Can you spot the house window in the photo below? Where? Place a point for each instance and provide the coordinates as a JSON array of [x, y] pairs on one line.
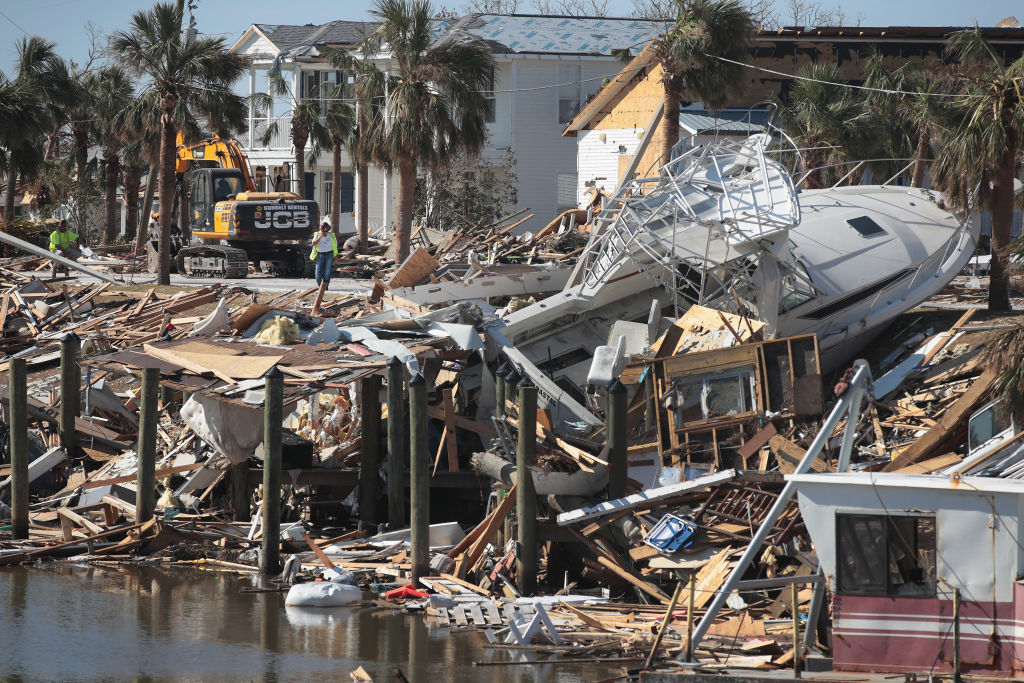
[[566, 191], [347, 203], [885, 555], [491, 102], [569, 77], [328, 186]]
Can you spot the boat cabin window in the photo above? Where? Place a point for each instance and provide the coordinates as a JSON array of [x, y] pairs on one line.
[[885, 555], [865, 226], [986, 424]]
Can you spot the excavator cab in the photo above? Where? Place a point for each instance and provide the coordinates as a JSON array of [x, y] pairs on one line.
[[207, 187]]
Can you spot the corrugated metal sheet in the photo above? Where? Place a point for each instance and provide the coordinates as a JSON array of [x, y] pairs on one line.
[[737, 121]]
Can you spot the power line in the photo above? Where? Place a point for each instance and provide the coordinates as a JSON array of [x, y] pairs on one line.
[[13, 22]]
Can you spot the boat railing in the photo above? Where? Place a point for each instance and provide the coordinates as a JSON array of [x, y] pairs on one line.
[[858, 165]]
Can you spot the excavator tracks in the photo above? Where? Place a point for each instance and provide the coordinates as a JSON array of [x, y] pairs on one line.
[[213, 261]]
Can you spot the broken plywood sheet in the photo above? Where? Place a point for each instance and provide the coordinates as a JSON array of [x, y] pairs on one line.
[[705, 329], [414, 269], [226, 367]]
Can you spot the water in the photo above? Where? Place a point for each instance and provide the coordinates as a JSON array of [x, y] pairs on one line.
[[86, 623]]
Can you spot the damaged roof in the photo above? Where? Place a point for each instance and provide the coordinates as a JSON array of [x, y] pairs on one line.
[[302, 41], [538, 34]]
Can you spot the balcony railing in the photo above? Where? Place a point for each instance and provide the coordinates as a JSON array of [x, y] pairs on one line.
[[282, 139]]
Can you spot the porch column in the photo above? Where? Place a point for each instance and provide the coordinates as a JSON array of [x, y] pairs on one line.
[[252, 106]]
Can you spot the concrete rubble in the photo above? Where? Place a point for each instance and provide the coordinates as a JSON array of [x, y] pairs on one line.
[[636, 522]]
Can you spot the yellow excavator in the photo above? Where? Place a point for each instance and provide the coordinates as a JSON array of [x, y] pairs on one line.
[[231, 223]]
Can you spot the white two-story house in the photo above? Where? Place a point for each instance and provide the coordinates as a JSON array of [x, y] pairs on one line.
[[546, 69]]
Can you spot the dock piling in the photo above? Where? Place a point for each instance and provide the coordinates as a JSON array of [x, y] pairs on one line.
[[145, 481], [526, 495], [369, 445], [396, 434], [419, 477], [616, 418], [18, 406], [70, 392], [270, 555]]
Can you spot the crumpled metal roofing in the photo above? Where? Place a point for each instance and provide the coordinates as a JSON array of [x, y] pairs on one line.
[[557, 35]]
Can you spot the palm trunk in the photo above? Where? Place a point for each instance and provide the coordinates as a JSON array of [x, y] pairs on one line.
[[168, 134], [51, 144], [336, 185], [813, 159], [406, 188], [12, 189], [1001, 206], [131, 205], [300, 165], [147, 207], [110, 212], [81, 136], [670, 119], [363, 200], [924, 143]]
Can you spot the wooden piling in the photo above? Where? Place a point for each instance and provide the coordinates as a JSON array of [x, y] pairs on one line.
[[270, 555], [145, 481], [369, 443], [18, 415], [166, 397], [616, 417], [396, 446], [499, 390], [240, 508], [526, 496], [70, 392], [419, 478]]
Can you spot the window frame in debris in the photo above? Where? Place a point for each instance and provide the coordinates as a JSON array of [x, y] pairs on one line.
[[875, 555]]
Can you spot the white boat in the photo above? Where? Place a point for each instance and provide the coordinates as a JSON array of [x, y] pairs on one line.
[[724, 226]]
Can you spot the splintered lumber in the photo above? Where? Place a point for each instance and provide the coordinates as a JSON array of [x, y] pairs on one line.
[[228, 368], [488, 528], [646, 499], [935, 464], [18, 558], [414, 269], [321, 555], [711, 577], [648, 588], [955, 416], [789, 455]]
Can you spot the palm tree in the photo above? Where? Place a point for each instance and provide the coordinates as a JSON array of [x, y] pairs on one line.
[[182, 75], [830, 122], [691, 55], [433, 104], [41, 74], [306, 124], [979, 156], [341, 124], [111, 89]]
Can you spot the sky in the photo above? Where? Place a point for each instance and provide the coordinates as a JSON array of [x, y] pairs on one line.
[[65, 21]]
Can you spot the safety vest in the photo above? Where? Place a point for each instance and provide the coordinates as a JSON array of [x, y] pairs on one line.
[[61, 240], [316, 246]]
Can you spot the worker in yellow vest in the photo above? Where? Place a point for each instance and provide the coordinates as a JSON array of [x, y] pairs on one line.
[[325, 248], [65, 243]]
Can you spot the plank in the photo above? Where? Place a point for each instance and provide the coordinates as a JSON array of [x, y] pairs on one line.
[[930, 465], [934, 438], [74, 517], [648, 588], [449, 427], [789, 455], [132, 477], [488, 528]]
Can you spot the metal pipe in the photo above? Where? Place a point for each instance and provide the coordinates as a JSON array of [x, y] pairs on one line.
[[861, 376], [7, 238]]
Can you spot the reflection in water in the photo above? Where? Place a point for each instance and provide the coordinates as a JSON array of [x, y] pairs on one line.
[[160, 624]]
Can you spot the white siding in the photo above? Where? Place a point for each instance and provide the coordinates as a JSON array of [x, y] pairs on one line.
[[599, 159]]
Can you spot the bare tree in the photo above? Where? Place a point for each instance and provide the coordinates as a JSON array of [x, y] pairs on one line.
[[763, 11], [814, 13], [486, 7], [572, 8]]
